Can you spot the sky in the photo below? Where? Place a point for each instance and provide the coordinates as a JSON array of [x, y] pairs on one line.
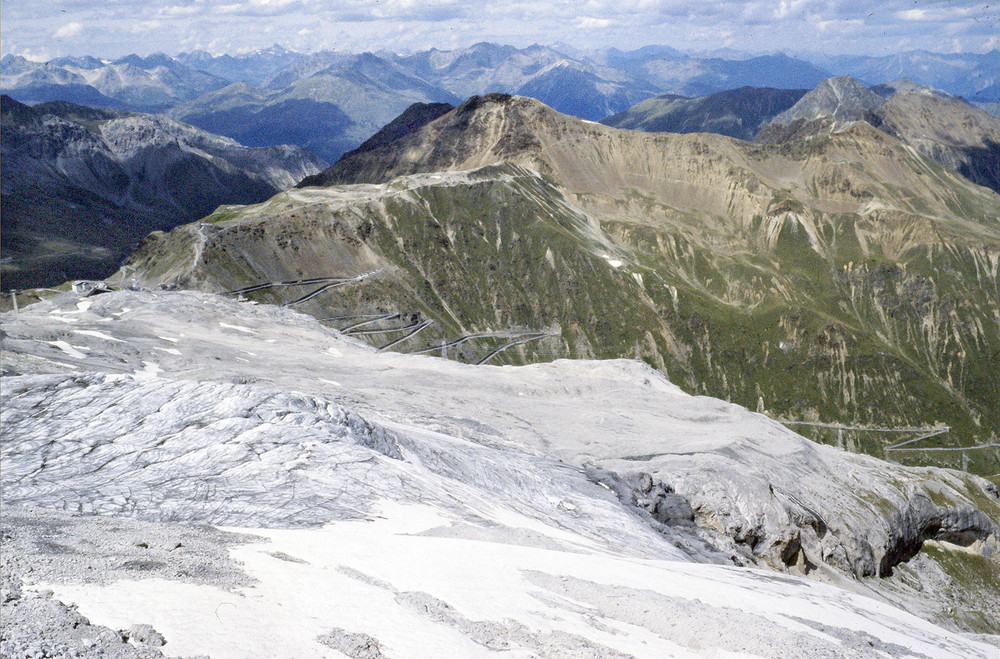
[[112, 28]]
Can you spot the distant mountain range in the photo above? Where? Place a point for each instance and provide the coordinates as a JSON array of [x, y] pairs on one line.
[[975, 77], [330, 102], [82, 186]]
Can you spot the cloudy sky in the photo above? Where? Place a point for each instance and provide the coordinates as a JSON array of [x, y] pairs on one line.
[[111, 28]]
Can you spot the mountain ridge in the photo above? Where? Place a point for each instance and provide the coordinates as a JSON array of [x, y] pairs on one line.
[[816, 260]]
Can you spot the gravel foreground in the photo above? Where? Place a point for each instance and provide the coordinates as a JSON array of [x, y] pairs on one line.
[[41, 546]]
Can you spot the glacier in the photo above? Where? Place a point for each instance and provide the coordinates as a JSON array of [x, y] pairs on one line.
[[251, 483]]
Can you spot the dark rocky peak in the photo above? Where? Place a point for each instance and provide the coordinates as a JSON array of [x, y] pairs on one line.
[[78, 113], [474, 103], [413, 118], [13, 113], [839, 99], [736, 112]]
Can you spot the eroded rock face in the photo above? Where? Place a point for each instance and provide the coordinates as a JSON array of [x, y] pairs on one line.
[[665, 505], [921, 519]]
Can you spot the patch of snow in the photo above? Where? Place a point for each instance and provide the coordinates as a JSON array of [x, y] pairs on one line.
[[71, 350], [614, 263], [96, 334], [149, 371], [423, 595], [238, 328]]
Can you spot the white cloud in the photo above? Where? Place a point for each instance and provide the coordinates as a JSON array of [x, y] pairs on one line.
[[31, 54], [591, 23], [110, 26], [67, 31], [912, 14], [144, 27], [180, 10]]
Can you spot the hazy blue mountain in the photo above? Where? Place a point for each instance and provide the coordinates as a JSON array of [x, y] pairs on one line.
[[255, 67], [313, 125], [302, 67], [152, 83], [575, 90], [328, 112], [580, 87], [481, 68], [695, 76], [43, 92], [736, 112], [971, 75], [83, 62]]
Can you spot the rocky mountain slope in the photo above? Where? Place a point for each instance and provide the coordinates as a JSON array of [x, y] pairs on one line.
[[943, 127], [841, 278], [948, 129], [838, 100], [738, 113], [476, 508], [82, 186]]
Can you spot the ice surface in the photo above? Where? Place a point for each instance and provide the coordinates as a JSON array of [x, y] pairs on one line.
[[436, 508]]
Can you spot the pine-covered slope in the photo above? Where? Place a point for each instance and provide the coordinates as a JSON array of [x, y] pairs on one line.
[[841, 277]]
